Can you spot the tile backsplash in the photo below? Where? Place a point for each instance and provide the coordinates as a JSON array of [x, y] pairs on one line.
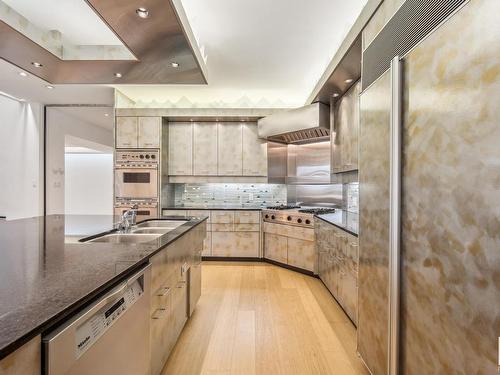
[[220, 195], [352, 197]]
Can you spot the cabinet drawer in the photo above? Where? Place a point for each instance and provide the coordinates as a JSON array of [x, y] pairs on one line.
[[235, 244], [174, 212], [275, 247], [302, 254], [222, 227], [306, 234], [222, 217], [247, 227], [247, 217]]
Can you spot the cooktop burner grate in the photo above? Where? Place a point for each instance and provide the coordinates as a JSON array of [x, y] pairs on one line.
[[282, 207], [317, 211]]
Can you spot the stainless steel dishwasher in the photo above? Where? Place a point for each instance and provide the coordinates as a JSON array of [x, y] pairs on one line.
[[109, 337]]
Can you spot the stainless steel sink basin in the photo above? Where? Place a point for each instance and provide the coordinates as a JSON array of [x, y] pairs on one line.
[[152, 230], [162, 224], [120, 238]]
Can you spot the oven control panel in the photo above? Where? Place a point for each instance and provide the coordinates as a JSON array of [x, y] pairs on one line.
[[139, 158]]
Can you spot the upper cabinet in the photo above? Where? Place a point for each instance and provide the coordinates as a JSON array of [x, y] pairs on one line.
[[180, 149], [149, 132], [126, 132], [138, 132], [205, 149], [216, 149], [230, 149], [254, 152], [345, 129]]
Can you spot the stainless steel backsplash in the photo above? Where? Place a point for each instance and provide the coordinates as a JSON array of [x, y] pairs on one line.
[[315, 195]]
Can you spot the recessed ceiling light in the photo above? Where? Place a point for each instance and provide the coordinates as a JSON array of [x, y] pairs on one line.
[[335, 94], [142, 12], [36, 64], [106, 114], [50, 87], [118, 75], [23, 74], [348, 80], [174, 64]]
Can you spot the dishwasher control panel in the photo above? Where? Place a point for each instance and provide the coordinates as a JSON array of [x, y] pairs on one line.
[[98, 323]]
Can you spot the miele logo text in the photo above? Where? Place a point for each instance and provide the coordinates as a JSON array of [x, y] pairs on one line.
[[82, 343]]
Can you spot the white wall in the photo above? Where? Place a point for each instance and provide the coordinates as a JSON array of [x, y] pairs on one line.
[[21, 158], [88, 184], [60, 125]]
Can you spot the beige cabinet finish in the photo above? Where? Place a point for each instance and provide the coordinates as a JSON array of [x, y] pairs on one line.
[[222, 217], [302, 254], [205, 149], [180, 149], [230, 149], [207, 245], [149, 132], [247, 217], [345, 131], [174, 212], [126, 132], [254, 152], [27, 360], [338, 264], [275, 247], [235, 244]]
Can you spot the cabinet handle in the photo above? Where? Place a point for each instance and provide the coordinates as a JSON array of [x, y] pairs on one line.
[[181, 284], [159, 313], [163, 291]]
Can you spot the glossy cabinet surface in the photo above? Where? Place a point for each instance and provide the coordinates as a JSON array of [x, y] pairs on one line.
[[345, 132], [180, 149], [205, 149], [149, 132], [338, 265], [230, 149], [254, 152], [126, 132]]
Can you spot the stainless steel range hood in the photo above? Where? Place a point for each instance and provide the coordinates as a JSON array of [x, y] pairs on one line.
[[300, 125]]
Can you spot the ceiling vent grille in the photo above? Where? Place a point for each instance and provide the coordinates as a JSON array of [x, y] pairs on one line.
[[413, 21]]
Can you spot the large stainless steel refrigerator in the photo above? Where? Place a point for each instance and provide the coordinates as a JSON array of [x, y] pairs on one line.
[[429, 171]]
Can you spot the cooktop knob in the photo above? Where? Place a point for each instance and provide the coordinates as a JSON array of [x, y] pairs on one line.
[[147, 156], [273, 217], [299, 221], [142, 156], [289, 218], [153, 156], [267, 216], [308, 221]]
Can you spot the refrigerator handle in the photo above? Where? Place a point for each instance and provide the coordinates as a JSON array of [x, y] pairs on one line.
[[395, 214]]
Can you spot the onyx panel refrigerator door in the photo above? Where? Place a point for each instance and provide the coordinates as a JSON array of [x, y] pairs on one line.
[[374, 213], [450, 296]]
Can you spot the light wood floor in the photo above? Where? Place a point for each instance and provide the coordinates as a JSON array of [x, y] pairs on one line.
[[256, 318]]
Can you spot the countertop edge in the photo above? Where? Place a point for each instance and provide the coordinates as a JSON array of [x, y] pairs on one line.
[[337, 225], [90, 297], [214, 208]]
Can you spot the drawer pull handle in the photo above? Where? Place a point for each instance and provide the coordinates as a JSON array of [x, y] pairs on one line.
[[163, 291], [181, 284], [159, 313]]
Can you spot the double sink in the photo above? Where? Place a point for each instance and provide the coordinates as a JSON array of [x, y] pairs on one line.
[[143, 232]]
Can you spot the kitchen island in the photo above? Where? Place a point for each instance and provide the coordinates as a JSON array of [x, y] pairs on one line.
[[47, 274]]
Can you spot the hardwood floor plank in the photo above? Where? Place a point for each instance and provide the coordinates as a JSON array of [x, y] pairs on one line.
[[257, 318]]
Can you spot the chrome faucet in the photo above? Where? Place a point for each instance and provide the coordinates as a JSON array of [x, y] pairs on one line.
[[128, 218]]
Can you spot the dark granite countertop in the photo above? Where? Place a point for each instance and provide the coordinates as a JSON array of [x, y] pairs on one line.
[[46, 274], [218, 208], [346, 220]]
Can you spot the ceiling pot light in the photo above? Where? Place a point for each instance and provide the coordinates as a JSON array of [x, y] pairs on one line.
[[335, 94], [118, 75], [349, 80], [50, 87], [36, 64], [23, 74], [142, 12], [106, 114], [174, 64]]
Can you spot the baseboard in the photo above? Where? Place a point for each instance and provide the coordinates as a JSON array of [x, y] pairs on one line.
[[250, 259]]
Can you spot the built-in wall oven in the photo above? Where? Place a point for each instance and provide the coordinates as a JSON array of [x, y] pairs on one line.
[[146, 208], [136, 174]]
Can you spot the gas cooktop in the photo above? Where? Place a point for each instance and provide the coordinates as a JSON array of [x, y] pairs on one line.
[[317, 211], [283, 207]]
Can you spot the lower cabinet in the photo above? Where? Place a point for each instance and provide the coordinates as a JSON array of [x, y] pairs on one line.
[[301, 253], [235, 244], [338, 265], [275, 247], [27, 360]]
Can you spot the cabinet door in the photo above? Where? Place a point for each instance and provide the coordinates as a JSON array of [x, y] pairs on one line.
[[149, 132], [205, 149], [254, 152], [229, 149], [27, 360], [247, 244], [302, 254], [223, 244], [275, 247], [180, 149], [207, 245], [350, 294], [174, 213], [222, 217], [126, 132]]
